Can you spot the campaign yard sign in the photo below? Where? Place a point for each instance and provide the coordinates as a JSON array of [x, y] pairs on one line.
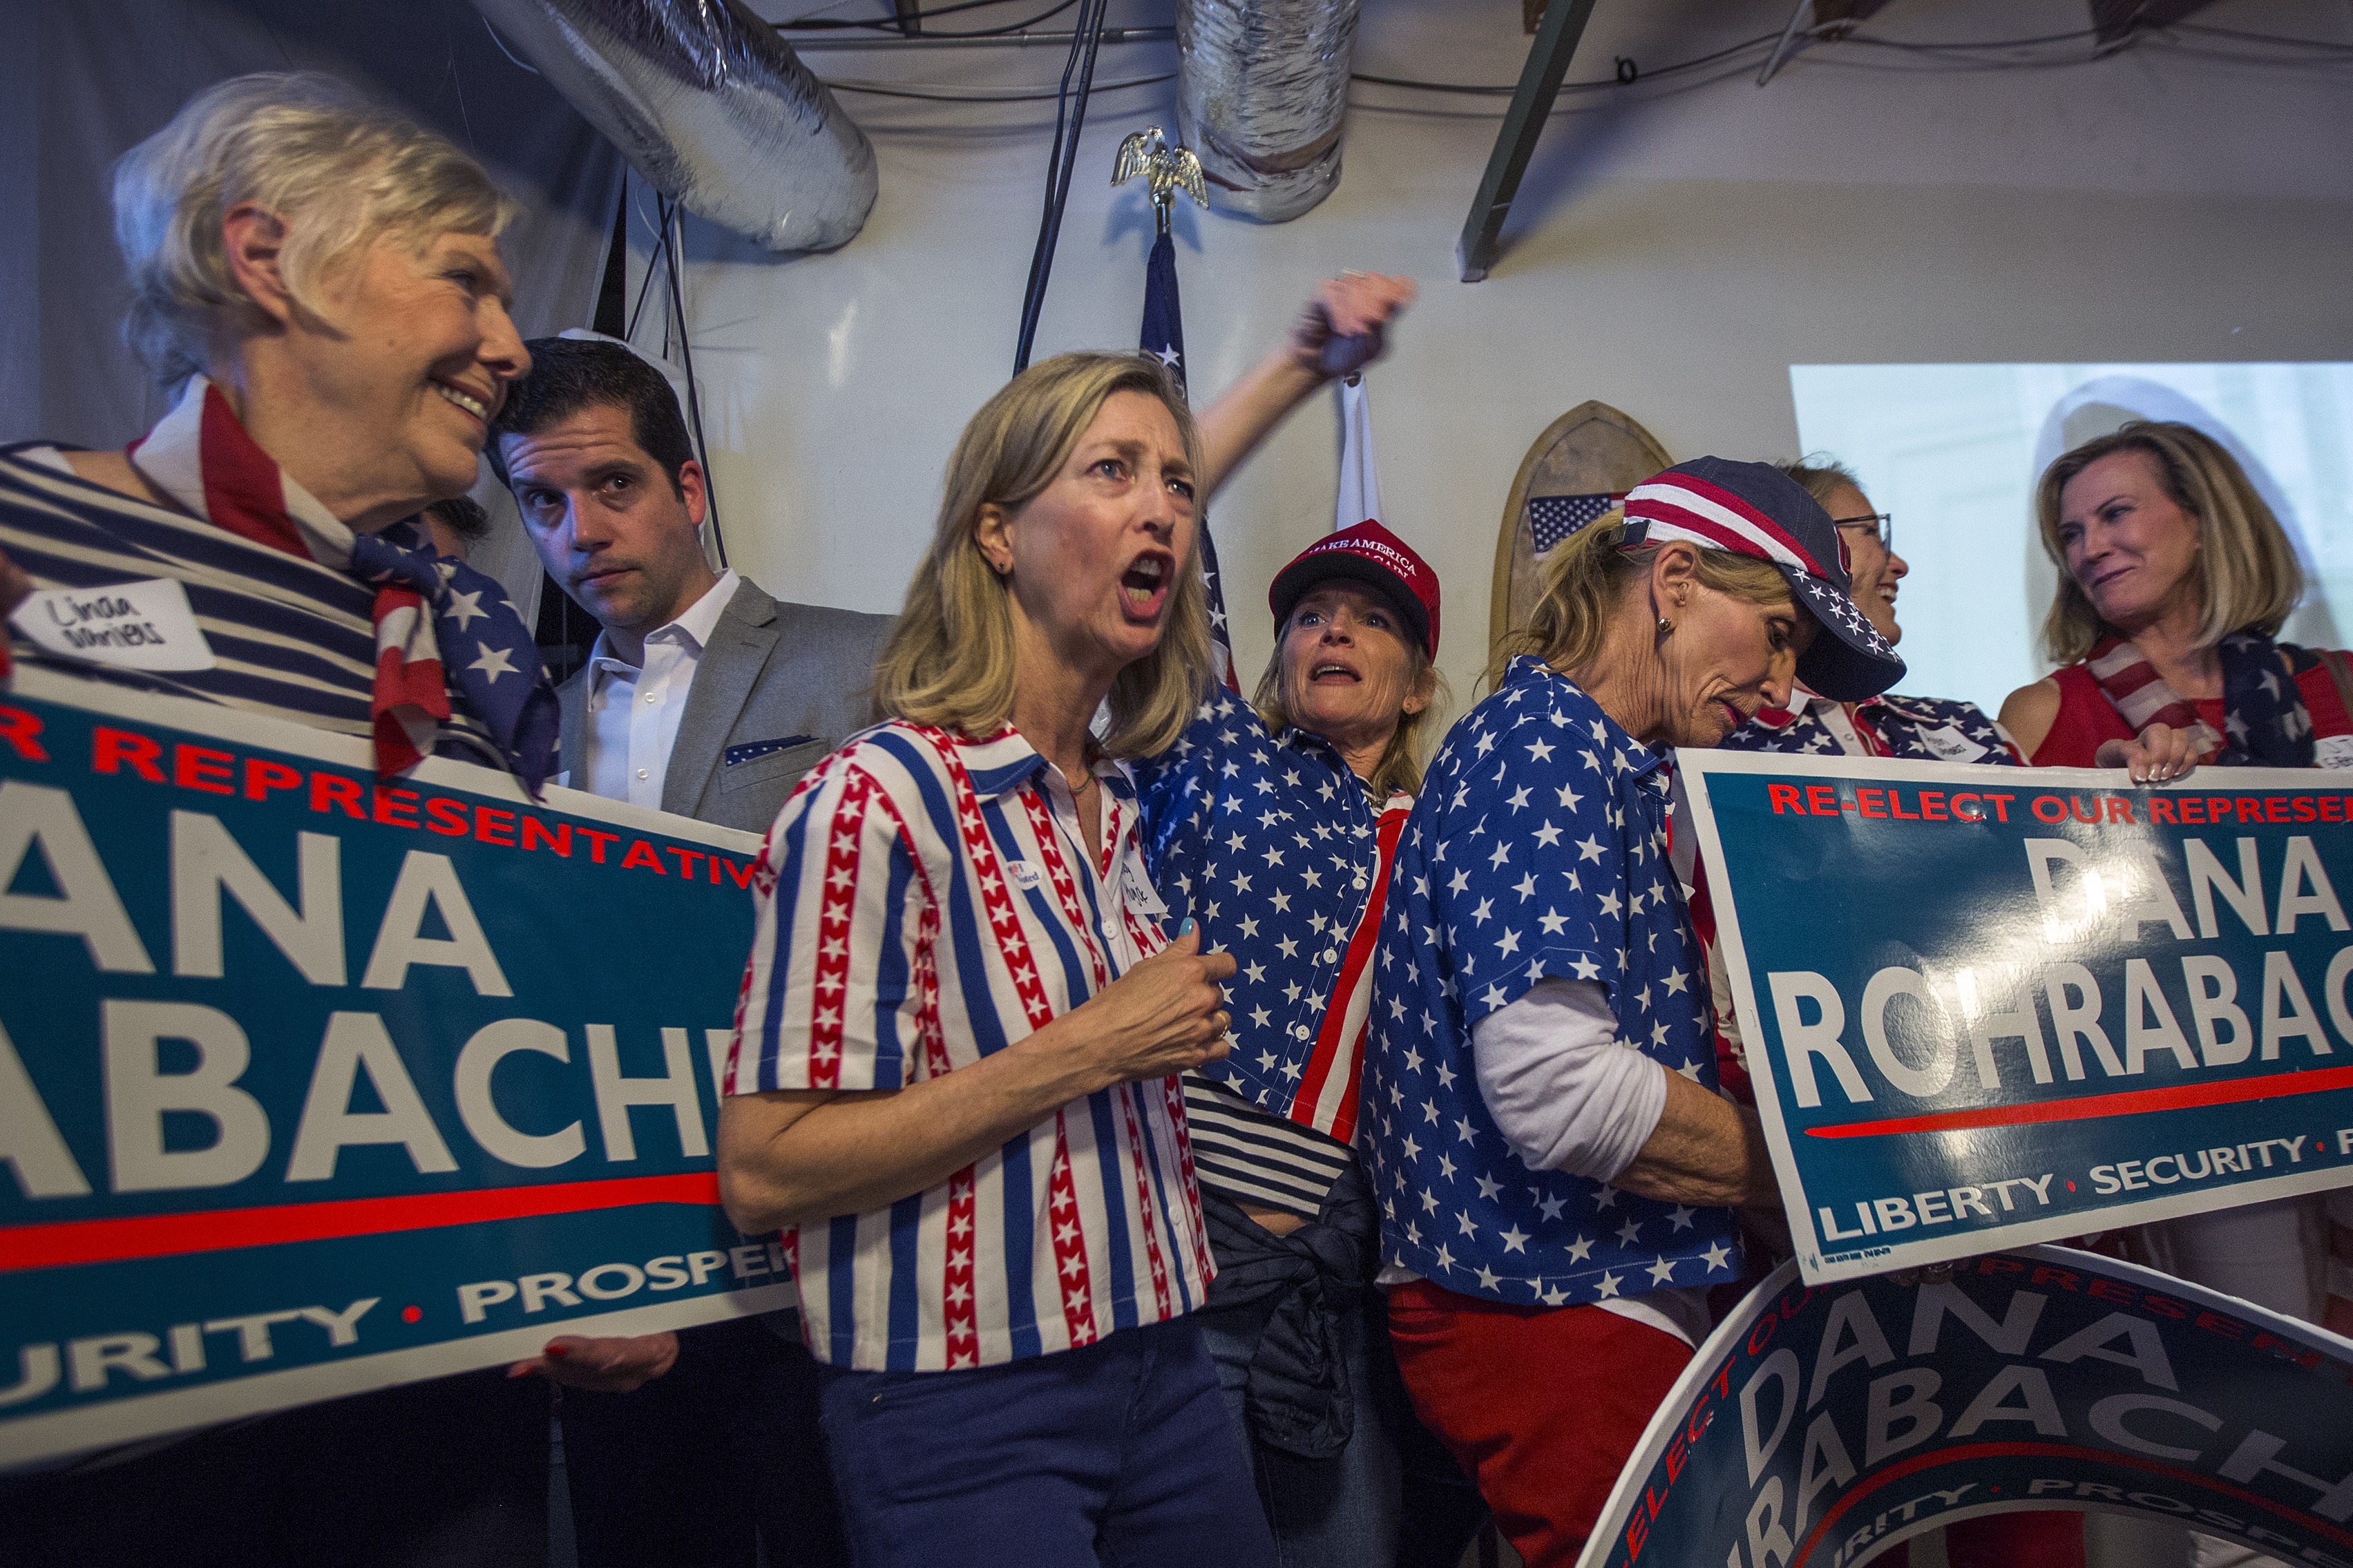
[[311, 1084], [1988, 1007], [1818, 1425]]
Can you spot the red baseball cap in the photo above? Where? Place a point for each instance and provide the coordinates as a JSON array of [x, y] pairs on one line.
[[1371, 554]]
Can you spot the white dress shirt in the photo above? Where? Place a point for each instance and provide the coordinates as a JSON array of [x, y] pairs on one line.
[[633, 712]]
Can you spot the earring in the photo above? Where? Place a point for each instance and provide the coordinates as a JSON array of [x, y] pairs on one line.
[[1666, 627]]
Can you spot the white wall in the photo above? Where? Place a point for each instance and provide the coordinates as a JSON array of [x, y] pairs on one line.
[[1672, 253]]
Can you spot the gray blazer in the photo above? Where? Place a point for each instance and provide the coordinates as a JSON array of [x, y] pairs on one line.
[[777, 687]]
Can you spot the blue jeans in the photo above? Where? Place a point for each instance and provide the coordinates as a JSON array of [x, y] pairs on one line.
[[1120, 1453], [1393, 1495]]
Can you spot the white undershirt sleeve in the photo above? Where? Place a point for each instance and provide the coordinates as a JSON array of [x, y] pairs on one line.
[[1568, 1094]]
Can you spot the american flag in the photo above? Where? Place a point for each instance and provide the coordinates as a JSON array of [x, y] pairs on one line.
[[1163, 339], [1552, 519], [426, 604]]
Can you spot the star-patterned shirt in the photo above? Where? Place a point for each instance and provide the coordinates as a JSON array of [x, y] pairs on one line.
[[1926, 728], [1270, 842], [1538, 850]]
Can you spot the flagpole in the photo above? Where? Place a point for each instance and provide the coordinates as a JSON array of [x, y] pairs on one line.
[[1168, 169]]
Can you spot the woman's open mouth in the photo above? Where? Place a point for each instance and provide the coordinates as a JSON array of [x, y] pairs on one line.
[[1144, 587], [1330, 672]]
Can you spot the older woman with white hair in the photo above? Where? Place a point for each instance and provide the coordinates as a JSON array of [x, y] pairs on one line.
[[321, 280]]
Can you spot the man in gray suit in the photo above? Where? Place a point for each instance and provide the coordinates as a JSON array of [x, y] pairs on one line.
[[704, 697]]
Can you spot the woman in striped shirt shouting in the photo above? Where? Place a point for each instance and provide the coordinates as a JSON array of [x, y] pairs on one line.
[[954, 1080]]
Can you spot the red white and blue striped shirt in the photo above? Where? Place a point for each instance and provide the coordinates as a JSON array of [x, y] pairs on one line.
[[925, 900]]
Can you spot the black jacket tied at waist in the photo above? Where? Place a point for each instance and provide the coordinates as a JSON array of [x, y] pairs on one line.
[[1298, 1398]]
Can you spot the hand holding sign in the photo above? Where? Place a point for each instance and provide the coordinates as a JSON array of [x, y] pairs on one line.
[[2160, 754], [609, 1363]]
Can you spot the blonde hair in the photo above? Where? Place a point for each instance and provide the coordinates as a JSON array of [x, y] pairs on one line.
[[1821, 475], [1401, 761], [1585, 579], [2246, 567], [339, 171], [950, 659]]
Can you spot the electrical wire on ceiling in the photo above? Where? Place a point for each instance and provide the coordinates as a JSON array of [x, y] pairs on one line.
[[1953, 58], [2170, 38], [941, 95], [2180, 37], [666, 226], [1596, 84], [2240, 36], [895, 28], [1084, 42]]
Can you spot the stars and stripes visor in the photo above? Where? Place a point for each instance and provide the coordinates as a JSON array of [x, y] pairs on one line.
[[1755, 509]]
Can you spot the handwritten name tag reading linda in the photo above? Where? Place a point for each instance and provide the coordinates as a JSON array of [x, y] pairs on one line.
[[131, 625]]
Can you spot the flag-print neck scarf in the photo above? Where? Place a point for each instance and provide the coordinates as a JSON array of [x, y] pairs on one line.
[[201, 455], [2263, 711]]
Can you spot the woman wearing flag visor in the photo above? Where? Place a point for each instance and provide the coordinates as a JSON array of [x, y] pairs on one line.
[[1556, 1168]]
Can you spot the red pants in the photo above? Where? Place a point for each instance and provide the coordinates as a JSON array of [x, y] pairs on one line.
[[1543, 1405], [1540, 1405]]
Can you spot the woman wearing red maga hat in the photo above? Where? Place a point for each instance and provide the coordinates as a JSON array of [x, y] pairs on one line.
[[1273, 822]]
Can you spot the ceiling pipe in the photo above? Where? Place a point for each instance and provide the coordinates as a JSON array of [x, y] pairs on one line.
[[706, 102], [1262, 96]]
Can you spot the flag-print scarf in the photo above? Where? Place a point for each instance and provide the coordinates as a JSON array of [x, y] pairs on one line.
[[201, 455], [2263, 711]]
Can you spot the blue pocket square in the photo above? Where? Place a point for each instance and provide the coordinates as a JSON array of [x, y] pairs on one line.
[[751, 749]]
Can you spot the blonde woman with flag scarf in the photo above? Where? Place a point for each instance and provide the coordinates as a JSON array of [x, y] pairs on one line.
[[2175, 580]]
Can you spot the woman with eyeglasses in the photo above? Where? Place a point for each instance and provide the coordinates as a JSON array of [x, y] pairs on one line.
[[1927, 729]]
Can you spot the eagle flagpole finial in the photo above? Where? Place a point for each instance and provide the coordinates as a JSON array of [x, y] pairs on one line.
[[1166, 170]]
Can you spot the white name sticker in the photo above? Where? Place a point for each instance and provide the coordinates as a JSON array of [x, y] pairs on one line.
[[1137, 890], [1024, 876], [1950, 745], [2333, 752], [133, 626]]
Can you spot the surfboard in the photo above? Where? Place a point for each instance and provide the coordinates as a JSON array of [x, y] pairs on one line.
[[1592, 451]]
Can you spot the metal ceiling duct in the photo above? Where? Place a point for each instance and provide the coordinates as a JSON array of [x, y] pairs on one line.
[[1261, 93], [710, 105]]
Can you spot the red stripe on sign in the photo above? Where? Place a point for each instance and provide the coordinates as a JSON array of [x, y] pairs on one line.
[[164, 1235], [2279, 1086], [2302, 1519]]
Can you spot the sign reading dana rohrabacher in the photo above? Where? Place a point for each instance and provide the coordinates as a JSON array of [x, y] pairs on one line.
[[1818, 1425], [1986, 1008], [311, 1084]]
